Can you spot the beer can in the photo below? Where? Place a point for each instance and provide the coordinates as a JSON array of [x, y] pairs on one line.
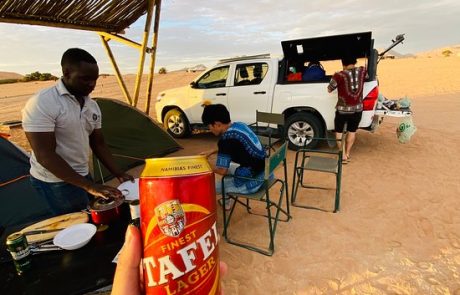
[[178, 225], [17, 245]]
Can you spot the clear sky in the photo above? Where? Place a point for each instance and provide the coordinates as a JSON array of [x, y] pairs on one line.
[[197, 31]]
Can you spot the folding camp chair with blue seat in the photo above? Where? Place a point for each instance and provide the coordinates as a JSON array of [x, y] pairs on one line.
[[276, 159], [324, 160]]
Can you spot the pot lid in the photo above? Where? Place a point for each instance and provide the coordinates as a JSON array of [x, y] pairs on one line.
[[102, 204]]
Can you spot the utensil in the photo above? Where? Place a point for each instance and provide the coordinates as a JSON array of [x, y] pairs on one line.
[[41, 231], [44, 248]]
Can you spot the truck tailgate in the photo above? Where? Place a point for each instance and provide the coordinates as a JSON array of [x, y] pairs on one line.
[[383, 110]]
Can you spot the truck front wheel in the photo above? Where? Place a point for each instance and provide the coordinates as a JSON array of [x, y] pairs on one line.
[[176, 123], [300, 128]]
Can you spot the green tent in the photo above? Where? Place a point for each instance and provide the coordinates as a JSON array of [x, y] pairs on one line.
[[131, 136]]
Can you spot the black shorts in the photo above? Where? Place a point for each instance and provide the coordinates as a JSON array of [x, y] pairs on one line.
[[352, 121]]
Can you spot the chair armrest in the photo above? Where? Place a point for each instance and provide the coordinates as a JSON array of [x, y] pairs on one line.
[[239, 177], [303, 150]]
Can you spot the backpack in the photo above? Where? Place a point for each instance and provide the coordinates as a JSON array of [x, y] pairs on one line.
[[313, 72]]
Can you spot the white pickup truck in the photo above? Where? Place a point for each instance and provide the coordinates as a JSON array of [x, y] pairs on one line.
[[250, 83]]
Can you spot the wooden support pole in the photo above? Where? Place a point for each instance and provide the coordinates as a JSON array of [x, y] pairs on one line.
[[117, 71], [123, 40], [153, 53], [145, 39]]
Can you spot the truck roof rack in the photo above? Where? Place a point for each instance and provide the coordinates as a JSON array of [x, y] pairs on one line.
[[244, 57]]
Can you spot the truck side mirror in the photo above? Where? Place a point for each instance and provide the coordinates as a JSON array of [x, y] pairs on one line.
[[193, 84]]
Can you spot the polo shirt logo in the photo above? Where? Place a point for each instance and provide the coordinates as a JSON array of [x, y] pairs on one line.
[[94, 117]]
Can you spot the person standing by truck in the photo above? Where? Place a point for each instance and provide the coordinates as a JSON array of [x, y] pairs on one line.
[[349, 108]]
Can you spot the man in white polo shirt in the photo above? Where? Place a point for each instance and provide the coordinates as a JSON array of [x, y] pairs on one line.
[[62, 123]]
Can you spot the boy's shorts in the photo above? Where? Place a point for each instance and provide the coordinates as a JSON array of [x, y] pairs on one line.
[[351, 119]]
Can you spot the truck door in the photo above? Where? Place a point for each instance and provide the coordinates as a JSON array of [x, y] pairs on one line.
[[250, 91], [212, 88]]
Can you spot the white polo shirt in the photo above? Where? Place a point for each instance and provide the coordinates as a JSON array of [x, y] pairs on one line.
[[56, 110]]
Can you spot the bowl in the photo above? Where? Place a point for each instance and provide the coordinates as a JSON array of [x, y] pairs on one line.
[[75, 236]]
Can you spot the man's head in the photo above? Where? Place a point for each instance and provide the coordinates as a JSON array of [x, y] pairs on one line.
[[348, 60], [216, 117], [80, 71]]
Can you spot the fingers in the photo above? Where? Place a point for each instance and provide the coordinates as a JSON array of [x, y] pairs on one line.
[[223, 268], [223, 271], [105, 192], [125, 177], [127, 274], [112, 192]]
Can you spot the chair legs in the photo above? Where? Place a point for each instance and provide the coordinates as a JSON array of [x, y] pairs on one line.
[[272, 219], [298, 180]]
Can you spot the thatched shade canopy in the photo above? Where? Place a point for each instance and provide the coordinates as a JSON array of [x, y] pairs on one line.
[[111, 16]]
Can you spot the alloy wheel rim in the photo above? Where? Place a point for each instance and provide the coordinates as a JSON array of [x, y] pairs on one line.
[[299, 133], [176, 124]]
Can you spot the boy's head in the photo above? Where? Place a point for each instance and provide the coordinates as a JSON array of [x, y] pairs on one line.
[[348, 60], [216, 117]]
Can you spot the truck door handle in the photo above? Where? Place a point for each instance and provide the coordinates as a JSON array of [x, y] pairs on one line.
[[221, 94], [260, 92]]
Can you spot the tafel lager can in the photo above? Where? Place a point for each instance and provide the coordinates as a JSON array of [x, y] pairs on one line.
[[178, 224], [17, 245]]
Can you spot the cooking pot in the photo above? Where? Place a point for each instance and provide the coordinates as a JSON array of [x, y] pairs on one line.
[[105, 210]]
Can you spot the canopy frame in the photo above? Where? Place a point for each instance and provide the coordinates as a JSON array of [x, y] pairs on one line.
[[108, 18]]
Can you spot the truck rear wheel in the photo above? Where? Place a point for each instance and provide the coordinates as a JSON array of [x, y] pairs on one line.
[[176, 124], [300, 127]]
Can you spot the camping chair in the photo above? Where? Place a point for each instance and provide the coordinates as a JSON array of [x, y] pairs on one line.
[[266, 136], [262, 195], [325, 161]]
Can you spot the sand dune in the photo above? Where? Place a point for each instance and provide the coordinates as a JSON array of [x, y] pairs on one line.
[[398, 231], [10, 75]]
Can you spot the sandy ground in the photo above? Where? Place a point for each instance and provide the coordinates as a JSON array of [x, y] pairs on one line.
[[398, 231]]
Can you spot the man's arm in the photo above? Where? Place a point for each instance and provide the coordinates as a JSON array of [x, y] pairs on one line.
[[100, 149], [332, 86], [44, 146]]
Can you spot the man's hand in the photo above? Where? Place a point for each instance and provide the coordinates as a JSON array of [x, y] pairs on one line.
[[104, 191], [207, 154], [122, 177], [128, 276]]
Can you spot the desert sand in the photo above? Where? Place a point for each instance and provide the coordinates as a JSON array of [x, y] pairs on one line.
[[398, 230]]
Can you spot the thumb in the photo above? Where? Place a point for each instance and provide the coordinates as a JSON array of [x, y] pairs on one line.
[[127, 274]]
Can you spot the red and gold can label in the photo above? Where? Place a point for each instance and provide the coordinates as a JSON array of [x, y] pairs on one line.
[[178, 224]]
